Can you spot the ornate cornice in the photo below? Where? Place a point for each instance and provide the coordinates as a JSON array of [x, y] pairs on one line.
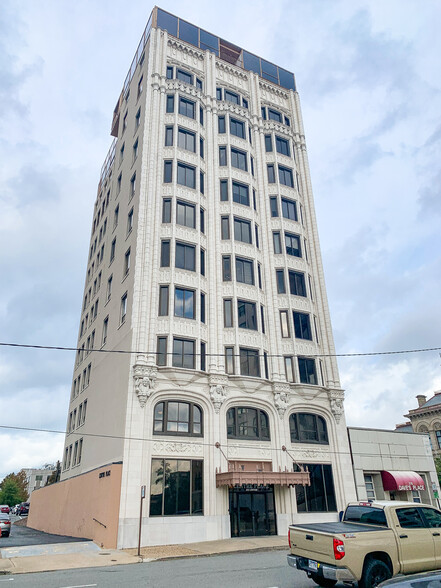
[[188, 50], [231, 69], [273, 90]]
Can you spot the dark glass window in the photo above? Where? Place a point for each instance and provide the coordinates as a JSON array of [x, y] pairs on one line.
[[268, 143], [186, 107], [285, 176], [219, 93], [209, 41], [203, 356], [202, 220], [245, 271], [308, 374], [287, 121], [170, 103], [280, 277], [277, 243], [221, 124], [168, 172], [198, 84], [222, 156], [263, 112], [184, 76], [176, 487], [165, 253], [183, 353], [226, 268], [241, 194], [251, 62], [308, 428], [169, 73], [185, 256], [185, 214], [228, 313], [282, 146], [229, 360], [168, 22], [438, 438], [225, 227], [186, 175], [249, 362], [177, 418], [201, 115], [168, 136], [297, 284], [292, 244], [247, 315], [188, 32], [247, 422], [271, 174], [166, 210], [237, 128], [163, 301], [274, 115], [259, 274], [202, 307], [289, 209], [239, 159], [320, 495], [224, 190], [202, 259], [274, 206], [262, 321], [201, 183], [186, 140], [161, 351], [256, 230], [184, 303], [245, 104], [410, 518], [231, 97], [242, 230], [201, 147], [269, 71]]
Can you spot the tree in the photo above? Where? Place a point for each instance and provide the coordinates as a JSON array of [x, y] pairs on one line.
[[10, 493], [20, 483], [437, 461]]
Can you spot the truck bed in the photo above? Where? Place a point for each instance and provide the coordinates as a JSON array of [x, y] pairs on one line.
[[337, 528]]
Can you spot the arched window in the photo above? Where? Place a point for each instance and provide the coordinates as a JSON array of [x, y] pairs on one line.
[[308, 428], [247, 423], [172, 417]]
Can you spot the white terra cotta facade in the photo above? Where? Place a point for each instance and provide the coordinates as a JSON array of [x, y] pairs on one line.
[[205, 267]]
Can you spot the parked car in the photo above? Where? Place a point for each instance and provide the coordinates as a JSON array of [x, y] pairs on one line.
[[23, 509], [4, 508], [5, 525], [423, 580]]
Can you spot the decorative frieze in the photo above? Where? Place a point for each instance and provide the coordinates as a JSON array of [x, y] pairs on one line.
[[187, 54], [145, 379], [167, 447]]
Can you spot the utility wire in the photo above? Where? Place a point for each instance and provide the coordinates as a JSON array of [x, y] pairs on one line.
[[139, 352]]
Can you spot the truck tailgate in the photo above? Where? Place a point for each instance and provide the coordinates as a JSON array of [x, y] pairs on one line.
[[316, 544]]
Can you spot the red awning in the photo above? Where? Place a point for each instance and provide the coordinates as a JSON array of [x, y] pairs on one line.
[[398, 480]]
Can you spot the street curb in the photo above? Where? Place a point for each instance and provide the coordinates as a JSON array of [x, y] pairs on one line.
[[236, 551]]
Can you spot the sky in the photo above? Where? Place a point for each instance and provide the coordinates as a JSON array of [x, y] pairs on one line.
[[368, 76]]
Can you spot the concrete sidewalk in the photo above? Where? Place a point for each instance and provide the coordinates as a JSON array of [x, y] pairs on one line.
[[64, 556]]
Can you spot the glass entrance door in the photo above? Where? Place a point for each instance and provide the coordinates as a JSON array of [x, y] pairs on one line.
[[252, 512]]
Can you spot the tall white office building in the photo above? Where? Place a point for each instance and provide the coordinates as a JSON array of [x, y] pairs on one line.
[[206, 369]]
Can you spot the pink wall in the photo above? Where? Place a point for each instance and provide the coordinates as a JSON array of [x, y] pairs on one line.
[[70, 507]]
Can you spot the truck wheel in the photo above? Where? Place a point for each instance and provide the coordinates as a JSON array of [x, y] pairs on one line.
[[324, 582], [375, 571]]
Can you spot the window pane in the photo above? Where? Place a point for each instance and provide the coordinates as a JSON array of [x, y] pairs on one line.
[[156, 487], [224, 190], [188, 32], [166, 210], [289, 209], [277, 243], [163, 301], [241, 194], [177, 487], [280, 276], [197, 487], [226, 268]]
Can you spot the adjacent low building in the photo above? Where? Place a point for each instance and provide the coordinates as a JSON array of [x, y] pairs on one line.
[[426, 418], [37, 477]]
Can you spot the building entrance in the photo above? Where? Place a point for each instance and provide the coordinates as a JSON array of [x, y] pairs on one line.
[[252, 511]]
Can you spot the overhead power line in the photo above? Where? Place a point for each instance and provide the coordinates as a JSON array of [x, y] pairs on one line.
[[144, 352]]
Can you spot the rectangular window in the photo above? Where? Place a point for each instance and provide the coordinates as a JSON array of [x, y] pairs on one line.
[[168, 136], [184, 303], [274, 115], [285, 176], [168, 172], [176, 487], [165, 253], [109, 288], [225, 227], [105, 328], [140, 86], [244, 103], [308, 374], [138, 119], [274, 206], [289, 209], [201, 183], [166, 210], [259, 274], [186, 140], [297, 285], [224, 190], [280, 279], [265, 364], [228, 313], [184, 76], [239, 159], [221, 125], [271, 174], [121, 153], [186, 175], [237, 128], [135, 149], [183, 353], [202, 220], [282, 146], [289, 369], [242, 230], [163, 301], [241, 194], [130, 222], [268, 143], [123, 312], [284, 323], [222, 156], [201, 115], [203, 356], [302, 325], [198, 84], [229, 360], [112, 250], [132, 185], [161, 351], [320, 495], [292, 244], [249, 362], [247, 315], [186, 107], [201, 147], [254, 200], [185, 214], [169, 73], [170, 107], [277, 243], [263, 112], [231, 97], [127, 262], [256, 231], [185, 256], [202, 262], [369, 485], [262, 319], [218, 93], [244, 271], [202, 307], [226, 268], [287, 121]]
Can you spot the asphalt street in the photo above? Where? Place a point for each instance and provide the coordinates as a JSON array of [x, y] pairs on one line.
[[23, 536]]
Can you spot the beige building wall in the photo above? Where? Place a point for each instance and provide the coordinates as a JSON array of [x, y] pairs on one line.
[[84, 506]]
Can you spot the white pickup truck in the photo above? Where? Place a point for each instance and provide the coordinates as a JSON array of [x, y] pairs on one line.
[[373, 542]]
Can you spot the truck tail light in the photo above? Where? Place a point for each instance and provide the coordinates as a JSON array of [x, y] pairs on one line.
[[289, 537], [339, 549]]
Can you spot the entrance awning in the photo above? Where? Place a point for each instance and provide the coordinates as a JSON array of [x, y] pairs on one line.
[[397, 480], [260, 474]]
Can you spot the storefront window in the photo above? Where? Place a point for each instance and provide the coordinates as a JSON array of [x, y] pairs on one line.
[[320, 495], [176, 487]]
